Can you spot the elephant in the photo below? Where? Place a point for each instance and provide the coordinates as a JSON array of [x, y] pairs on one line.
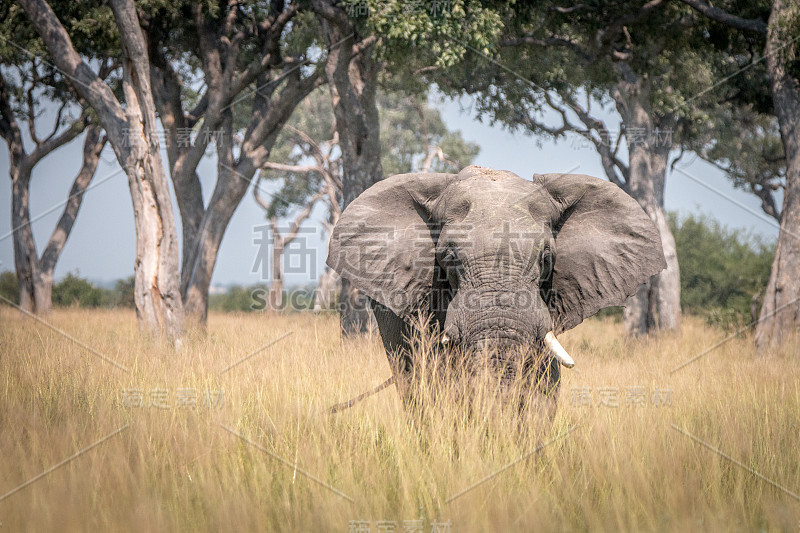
[[497, 261]]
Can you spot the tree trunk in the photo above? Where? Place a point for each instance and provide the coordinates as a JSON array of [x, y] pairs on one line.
[[158, 303], [43, 292], [276, 283], [43, 283], [780, 313], [25, 255], [668, 295], [352, 80], [657, 303], [133, 134], [156, 270], [35, 283], [233, 181]]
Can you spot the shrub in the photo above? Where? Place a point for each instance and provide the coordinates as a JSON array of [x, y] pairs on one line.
[[9, 286], [722, 270], [76, 291]]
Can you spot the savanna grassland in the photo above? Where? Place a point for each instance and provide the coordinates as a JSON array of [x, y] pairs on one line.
[[179, 461]]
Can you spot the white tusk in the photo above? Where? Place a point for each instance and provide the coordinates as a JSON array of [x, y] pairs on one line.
[[557, 350]]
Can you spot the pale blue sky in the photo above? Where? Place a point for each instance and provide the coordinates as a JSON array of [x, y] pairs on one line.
[[102, 244]]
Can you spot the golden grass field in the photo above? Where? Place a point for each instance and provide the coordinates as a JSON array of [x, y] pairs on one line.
[[176, 467]]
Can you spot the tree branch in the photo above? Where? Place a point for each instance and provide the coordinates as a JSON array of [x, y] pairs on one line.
[[53, 143], [92, 147], [732, 21], [301, 217], [530, 40], [294, 169], [85, 81]]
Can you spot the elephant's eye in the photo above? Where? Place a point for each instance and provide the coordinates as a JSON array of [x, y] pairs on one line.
[[449, 254], [449, 261]]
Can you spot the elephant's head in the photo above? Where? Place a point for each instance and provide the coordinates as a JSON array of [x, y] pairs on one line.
[[502, 260]]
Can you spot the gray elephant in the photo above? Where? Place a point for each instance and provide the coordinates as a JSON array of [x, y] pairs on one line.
[[497, 261]]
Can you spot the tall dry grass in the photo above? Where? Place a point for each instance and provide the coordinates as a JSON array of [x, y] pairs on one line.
[[599, 467]]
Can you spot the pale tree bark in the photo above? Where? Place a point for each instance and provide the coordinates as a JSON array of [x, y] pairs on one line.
[[327, 288], [132, 132], [352, 71], [657, 304], [35, 274], [226, 82], [780, 313]]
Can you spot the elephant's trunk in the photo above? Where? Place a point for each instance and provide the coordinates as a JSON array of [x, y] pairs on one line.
[[557, 350]]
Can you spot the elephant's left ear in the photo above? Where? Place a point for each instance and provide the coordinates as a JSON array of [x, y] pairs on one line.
[[605, 247], [384, 242]]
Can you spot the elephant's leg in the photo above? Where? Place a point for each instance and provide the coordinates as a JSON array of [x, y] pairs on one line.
[[394, 334]]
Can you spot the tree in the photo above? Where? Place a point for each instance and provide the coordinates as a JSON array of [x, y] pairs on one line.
[[588, 60], [778, 26], [255, 63], [352, 73], [34, 272], [25, 80], [416, 139], [131, 130], [281, 241]]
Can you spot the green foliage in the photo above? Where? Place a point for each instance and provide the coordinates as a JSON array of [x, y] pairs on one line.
[[747, 146], [577, 53], [721, 269], [423, 33], [92, 30], [123, 294], [9, 286], [254, 298], [76, 291], [237, 298]]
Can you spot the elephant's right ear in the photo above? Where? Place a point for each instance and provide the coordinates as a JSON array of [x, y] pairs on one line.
[[384, 242], [605, 246]]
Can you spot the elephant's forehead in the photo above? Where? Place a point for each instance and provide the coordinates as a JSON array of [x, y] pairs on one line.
[[505, 189], [479, 208], [486, 174]]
